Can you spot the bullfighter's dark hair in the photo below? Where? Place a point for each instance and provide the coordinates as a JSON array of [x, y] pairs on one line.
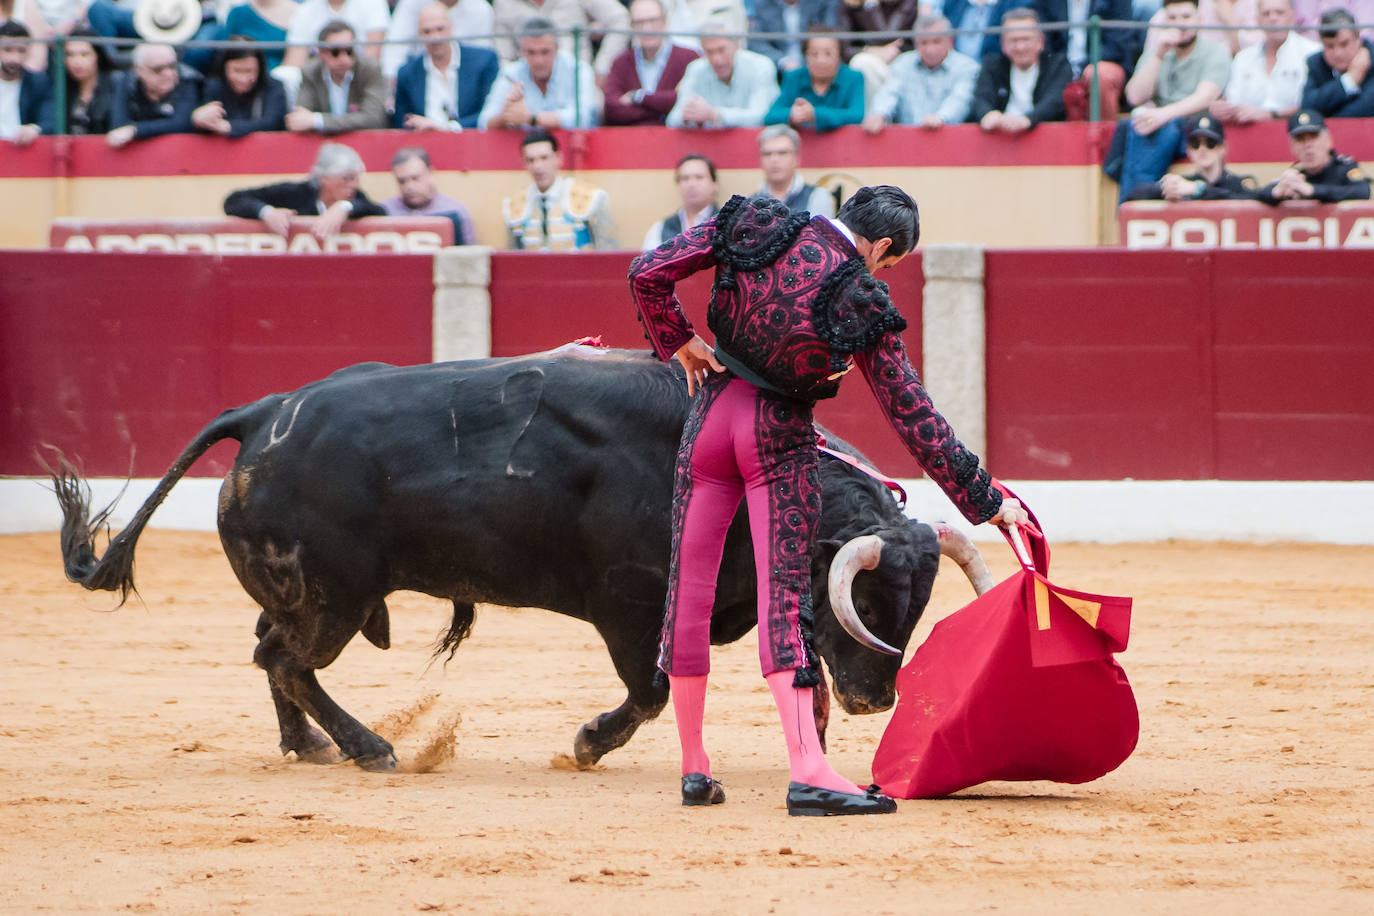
[[696, 157], [883, 211], [539, 135]]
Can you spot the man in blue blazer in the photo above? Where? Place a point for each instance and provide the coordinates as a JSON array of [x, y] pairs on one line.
[[775, 16], [1339, 81], [443, 88], [34, 114]]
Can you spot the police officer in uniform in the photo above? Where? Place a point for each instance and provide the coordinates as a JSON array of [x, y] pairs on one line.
[[1320, 173], [1211, 180]]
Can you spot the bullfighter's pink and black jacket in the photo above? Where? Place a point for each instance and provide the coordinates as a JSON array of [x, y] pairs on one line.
[[792, 309]]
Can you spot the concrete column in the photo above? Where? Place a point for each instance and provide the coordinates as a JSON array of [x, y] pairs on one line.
[[462, 303], [954, 335]]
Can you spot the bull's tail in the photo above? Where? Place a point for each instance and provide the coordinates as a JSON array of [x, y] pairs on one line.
[[114, 571]]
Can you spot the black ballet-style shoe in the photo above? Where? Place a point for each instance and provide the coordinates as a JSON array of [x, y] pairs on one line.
[[700, 789], [813, 801]]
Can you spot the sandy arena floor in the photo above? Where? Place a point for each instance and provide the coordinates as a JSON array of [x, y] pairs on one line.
[[139, 769]]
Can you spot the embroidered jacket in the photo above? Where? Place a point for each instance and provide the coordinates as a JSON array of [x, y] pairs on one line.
[[571, 216], [793, 308]]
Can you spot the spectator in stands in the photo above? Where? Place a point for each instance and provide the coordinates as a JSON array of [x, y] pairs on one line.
[[1181, 77], [546, 88], [472, 21], [340, 89], [1120, 48], [779, 157], [25, 97], [1210, 179], [445, 87], [330, 194], [1022, 84], [728, 86], [90, 85], [261, 20], [1267, 78], [1338, 83], [28, 14], [931, 86], [824, 94], [976, 15], [873, 59], [241, 98], [153, 99], [642, 85], [556, 213], [1320, 173], [419, 196], [696, 185], [792, 18], [588, 15], [368, 18], [1234, 15]]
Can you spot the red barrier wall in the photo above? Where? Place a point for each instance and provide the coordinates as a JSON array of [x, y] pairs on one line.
[[1101, 364], [1237, 365], [104, 355]]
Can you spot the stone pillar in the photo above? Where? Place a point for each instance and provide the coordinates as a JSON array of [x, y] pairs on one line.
[[462, 303], [954, 335]]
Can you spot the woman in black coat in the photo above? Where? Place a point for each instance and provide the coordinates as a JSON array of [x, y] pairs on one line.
[[241, 97], [90, 84]]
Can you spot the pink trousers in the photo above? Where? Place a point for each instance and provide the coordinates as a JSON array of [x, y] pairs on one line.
[[742, 442]]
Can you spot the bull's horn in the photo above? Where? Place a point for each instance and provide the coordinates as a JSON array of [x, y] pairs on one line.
[[956, 545], [860, 553]]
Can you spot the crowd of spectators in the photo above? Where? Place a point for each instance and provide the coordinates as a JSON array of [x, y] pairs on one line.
[[449, 65]]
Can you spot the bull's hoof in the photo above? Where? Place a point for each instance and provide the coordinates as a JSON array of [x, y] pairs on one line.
[[326, 754], [382, 763], [583, 750]]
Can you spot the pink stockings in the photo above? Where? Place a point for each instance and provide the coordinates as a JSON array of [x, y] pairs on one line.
[[806, 760]]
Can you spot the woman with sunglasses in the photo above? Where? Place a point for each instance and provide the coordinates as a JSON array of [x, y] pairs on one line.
[[241, 98], [1210, 179], [90, 84]]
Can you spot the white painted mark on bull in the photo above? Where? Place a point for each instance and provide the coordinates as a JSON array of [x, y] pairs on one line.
[[453, 424], [273, 438]]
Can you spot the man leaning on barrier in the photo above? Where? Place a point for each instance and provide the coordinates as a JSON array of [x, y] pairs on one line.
[[1319, 172], [330, 194]]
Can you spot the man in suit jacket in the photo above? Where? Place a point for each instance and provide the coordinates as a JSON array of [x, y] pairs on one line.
[[793, 17], [26, 105], [340, 90], [1023, 84], [443, 88], [330, 193], [1339, 82], [650, 56]]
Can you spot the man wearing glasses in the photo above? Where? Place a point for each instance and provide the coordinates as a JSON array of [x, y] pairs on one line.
[[152, 99], [340, 91], [1210, 179]]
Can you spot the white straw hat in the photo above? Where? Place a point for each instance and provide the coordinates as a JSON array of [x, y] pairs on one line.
[[170, 21]]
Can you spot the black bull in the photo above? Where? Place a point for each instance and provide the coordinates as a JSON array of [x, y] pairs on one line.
[[540, 481]]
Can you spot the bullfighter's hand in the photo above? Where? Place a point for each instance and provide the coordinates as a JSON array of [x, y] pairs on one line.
[[698, 359], [1011, 513]]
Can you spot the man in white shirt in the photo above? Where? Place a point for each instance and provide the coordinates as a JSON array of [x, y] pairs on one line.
[[1267, 78], [472, 21], [931, 86], [1023, 84], [727, 87], [546, 88]]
